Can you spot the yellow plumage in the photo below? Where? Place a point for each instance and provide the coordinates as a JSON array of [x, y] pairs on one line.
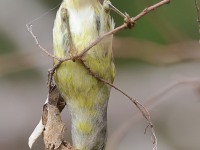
[[77, 24]]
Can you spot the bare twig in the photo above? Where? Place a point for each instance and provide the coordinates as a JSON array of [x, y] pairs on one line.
[[30, 30], [151, 103], [142, 109], [29, 27], [60, 60], [149, 9]]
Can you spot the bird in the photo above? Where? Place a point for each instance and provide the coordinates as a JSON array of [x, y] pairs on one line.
[[77, 24]]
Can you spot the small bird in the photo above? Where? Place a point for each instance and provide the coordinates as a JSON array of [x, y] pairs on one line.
[[77, 24]]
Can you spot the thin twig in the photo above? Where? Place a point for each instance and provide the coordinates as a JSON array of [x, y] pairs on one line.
[[149, 9], [151, 103], [60, 60], [141, 108], [100, 38], [30, 30]]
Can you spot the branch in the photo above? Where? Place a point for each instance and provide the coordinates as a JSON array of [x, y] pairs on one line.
[[141, 108], [149, 9], [29, 28], [154, 100]]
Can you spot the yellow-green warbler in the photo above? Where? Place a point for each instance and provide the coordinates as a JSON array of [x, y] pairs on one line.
[[77, 24]]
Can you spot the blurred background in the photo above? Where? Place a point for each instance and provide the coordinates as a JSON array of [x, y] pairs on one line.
[[158, 62]]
